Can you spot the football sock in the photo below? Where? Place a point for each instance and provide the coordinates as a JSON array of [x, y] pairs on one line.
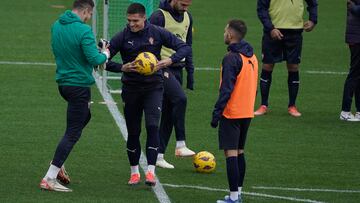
[[234, 196], [151, 168], [242, 167], [232, 173], [180, 144], [265, 83], [134, 169], [160, 156], [52, 172], [239, 189], [293, 86]]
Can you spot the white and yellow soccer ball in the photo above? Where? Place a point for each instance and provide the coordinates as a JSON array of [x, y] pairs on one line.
[[145, 63], [204, 162]]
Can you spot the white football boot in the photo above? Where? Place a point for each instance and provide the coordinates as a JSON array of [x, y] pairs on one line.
[[357, 115], [161, 162], [53, 185], [348, 116], [184, 152]]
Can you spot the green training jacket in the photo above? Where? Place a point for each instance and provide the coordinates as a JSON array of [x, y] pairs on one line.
[[75, 51]]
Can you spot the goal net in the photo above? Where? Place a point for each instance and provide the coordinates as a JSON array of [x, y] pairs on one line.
[[109, 17]]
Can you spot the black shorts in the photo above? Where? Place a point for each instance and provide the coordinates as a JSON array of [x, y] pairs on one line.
[[288, 49], [232, 133]]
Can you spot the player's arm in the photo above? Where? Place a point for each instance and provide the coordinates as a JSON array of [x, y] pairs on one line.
[[189, 65], [354, 9], [157, 18], [263, 14], [171, 41], [91, 52], [115, 45], [312, 9], [231, 66]]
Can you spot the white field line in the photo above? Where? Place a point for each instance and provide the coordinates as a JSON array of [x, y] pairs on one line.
[[26, 63], [120, 121], [245, 193], [197, 68], [306, 189]]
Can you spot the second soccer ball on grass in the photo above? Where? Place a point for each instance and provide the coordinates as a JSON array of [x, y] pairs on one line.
[[204, 162]]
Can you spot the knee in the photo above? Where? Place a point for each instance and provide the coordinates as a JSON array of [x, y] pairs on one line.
[[181, 100], [268, 67], [293, 67]]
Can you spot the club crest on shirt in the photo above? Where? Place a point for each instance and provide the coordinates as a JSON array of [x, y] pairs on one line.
[[151, 40]]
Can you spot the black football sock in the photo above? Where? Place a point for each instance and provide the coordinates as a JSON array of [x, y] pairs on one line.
[[293, 86], [232, 173], [265, 83], [242, 167]]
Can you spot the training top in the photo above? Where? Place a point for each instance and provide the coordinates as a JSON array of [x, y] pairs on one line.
[[180, 29], [285, 14], [238, 83], [150, 39], [75, 51], [158, 18]]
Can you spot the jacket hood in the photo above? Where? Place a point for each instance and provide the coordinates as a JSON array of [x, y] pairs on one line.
[[241, 47], [69, 17]]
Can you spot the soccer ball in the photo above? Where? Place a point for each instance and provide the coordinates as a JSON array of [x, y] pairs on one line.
[[145, 63], [204, 162]]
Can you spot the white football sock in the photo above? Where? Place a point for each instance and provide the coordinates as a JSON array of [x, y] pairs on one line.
[[180, 144], [234, 195], [151, 168], [52, 172], [134, 169], [160, 156]]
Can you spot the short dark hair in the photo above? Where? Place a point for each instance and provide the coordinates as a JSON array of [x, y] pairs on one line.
[[136, 8], [238, 26], [82, 4]]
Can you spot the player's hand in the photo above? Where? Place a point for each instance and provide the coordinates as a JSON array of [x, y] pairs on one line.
[[103, 44], [308, 26], [276, 34], [190, 81], [214, 123], [163, 63], [106, 51], [129, 67]]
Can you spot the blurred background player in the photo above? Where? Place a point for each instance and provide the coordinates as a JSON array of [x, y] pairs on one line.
[[235, 105], [142, 93], [173, 15], [76, 54], [352, 82], [282, 41]]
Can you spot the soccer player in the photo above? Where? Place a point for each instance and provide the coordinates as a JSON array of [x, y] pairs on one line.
[[143, 93], [352, 82], [234, 108], [173, 15], [282, 41], [76, 54]]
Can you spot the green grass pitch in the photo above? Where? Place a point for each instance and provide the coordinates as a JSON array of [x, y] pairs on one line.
[[315, 151]]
